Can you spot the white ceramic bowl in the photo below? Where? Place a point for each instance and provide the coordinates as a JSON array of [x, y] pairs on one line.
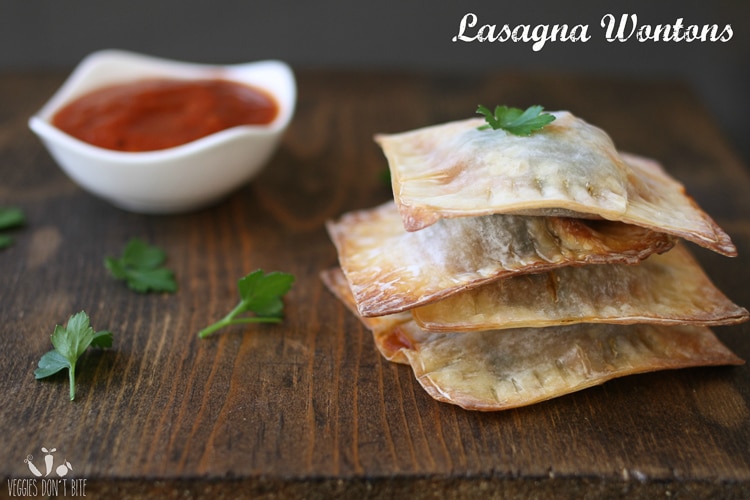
[[177, 179]]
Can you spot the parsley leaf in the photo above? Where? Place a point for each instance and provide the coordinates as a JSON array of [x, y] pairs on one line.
[[70, 342], [514, 120], [5, 241], [10, 218], [140, 267], [261, 295]]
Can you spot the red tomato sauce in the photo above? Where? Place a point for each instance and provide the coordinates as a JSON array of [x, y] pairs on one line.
[[148, 115]]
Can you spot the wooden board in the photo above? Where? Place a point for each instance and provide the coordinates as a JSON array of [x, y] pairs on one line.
[[308, 407]]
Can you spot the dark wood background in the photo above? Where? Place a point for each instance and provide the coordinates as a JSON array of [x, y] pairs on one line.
[[308, 407]]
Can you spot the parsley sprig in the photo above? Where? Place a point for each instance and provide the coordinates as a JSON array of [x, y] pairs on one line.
[[10, 217], [260, 294], [515, 120], [70, 342], [141, 268]]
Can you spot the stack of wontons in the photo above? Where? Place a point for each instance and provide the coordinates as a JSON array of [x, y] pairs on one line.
[[512, 270]]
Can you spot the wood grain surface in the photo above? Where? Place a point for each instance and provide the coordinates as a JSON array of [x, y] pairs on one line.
[[308, 408]]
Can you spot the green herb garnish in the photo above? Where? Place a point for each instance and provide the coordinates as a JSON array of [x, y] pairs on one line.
[[141, 268], [260, 294], [10, 217], [5, 241], [70, 342], [515, 120]]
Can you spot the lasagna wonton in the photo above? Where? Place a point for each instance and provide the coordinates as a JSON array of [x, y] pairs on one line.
[[568, 167]]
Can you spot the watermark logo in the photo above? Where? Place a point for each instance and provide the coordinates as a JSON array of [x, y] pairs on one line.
[[49, 478], [61, 470]]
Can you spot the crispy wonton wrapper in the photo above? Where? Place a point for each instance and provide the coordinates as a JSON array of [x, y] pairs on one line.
[[669, 289], [503, 369], [391, 270], [569, 166]]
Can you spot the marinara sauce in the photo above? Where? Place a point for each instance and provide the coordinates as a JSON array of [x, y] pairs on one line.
[[148, 115]]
